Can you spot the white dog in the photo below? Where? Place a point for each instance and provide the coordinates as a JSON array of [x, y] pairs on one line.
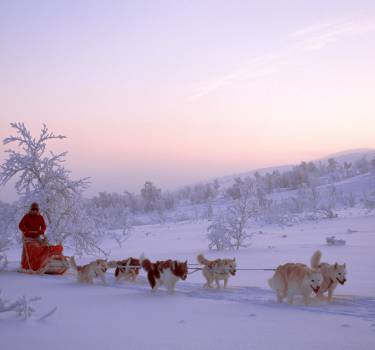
[[216, 270], [87, 273], [332, 274], [295, 279]]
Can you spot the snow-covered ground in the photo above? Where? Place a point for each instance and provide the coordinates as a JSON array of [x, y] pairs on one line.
[[245, 316]]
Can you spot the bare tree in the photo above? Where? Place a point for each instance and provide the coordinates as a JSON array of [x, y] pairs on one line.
[[151, 196], [229, 229]]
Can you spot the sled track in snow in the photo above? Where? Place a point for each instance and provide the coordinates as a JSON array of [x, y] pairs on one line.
[[361, 307], [351, 306]]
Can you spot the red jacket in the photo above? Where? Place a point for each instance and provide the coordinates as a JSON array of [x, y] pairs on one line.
[[32, 225]]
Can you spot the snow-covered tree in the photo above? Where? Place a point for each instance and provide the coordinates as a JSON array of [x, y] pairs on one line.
[[41, 177], [237, 218], [113, 211], [229, 228], [218, 235], [8, 213], [313, 194], [151, 196]]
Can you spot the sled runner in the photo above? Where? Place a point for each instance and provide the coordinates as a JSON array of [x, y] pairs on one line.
[[38, 257]]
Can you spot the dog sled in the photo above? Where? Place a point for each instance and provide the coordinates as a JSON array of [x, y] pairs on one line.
[[39, 257]]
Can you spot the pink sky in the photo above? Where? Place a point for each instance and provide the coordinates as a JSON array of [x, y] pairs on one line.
[[182, 91]]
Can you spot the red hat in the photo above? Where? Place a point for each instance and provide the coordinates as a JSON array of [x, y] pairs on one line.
[[34, 206]]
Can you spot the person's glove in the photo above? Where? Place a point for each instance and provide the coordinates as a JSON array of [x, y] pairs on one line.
[[42, 239]]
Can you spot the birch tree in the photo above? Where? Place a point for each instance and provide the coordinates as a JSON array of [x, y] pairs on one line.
[[41, 177]]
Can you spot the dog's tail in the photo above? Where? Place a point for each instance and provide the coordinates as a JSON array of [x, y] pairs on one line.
[[271, 282], [315, 259], [202, 260], [274, 281], [73, 263]]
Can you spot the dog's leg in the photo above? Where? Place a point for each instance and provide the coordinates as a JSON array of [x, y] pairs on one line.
[[118, 276], [209, 281], [284, 284], [151, 279], [104, 281], [279, 296], [217, 283], [157, 285], [171, 286], [84, 279], [225, 282], [320, 294], [306, 299], [330, 295], [290, 298]]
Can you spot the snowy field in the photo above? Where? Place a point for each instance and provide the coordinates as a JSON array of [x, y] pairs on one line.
[[245, 316]]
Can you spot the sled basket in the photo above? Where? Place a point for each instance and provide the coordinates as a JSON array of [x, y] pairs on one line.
[[56, 265], [49, 263]]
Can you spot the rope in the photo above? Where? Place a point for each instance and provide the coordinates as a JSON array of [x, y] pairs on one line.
[[128, 267], [192, 268], [195, 269], [256, 269], [200, 268]]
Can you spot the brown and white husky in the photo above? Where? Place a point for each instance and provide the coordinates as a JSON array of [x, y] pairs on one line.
[[165, 273], [332, 274], [87, 273], [216, 270], [128, 269]]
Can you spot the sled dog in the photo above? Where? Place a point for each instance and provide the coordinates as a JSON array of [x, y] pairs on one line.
[[332, 274], [293, 278], [216, 270], [127, 269], [165, 273], [87, 273]]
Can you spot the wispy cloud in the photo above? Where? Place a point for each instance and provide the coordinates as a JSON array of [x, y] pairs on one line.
[[318, 36], [258, 67], [314, 37]]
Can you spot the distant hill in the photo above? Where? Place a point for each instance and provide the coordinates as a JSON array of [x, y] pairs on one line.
[[350, 156]]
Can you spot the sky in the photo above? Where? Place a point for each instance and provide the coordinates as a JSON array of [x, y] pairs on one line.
[[182, 91]]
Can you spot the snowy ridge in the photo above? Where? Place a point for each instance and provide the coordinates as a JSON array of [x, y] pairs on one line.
[[344, 156]]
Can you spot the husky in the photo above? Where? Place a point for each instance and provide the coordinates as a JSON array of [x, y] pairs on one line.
[[332, 274], [87, 273], [216, 270], [127, 269], [165, 273], [294, 278]]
